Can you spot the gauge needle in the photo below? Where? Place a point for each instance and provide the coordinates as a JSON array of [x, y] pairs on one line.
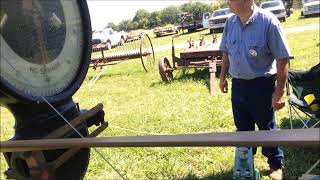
[[41, 39]]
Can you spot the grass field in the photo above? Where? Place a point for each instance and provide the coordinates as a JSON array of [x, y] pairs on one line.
[[139, 103]]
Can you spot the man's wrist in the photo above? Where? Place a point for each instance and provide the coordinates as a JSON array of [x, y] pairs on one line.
[[222, 76], [279, 92]]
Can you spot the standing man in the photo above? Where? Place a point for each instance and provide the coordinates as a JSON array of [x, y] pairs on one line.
[[255, 53]]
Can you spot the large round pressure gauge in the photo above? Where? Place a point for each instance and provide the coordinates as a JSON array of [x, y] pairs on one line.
[[45, 46]]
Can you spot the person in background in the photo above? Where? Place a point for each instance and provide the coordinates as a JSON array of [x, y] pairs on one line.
[[256, 55]]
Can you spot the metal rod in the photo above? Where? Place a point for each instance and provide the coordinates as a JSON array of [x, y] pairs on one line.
[[296, 137], [68, 154]]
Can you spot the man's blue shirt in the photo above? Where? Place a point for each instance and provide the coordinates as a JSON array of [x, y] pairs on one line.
[[253, 47]]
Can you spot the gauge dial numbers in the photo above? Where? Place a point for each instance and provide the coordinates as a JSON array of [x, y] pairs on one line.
[[42, 45]]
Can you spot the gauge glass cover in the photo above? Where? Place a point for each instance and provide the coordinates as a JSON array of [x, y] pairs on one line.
[[41, 45]]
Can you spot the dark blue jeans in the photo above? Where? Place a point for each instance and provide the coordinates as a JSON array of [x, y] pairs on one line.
[[251, 104]]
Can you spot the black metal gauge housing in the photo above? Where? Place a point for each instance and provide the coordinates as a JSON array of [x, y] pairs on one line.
[[45, 49]]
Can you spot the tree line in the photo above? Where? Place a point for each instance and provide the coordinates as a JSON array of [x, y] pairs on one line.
[[169, 15]]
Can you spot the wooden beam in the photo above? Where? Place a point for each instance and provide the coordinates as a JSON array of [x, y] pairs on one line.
[[75, 122], [200, 53], [296, 137]]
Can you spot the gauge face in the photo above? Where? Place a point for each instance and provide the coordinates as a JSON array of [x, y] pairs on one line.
[[41, 45]]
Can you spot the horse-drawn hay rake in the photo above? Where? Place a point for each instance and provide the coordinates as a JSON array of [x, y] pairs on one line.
[[202, 56], [142, 48]]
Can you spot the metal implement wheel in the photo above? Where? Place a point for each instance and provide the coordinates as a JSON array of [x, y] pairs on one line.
[[165, 70], [147, 53]]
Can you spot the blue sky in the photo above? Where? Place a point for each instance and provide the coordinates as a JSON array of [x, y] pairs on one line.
[[104, 11]]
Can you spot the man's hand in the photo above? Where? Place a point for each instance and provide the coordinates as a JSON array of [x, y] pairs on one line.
[[223, 85], [277, 102]]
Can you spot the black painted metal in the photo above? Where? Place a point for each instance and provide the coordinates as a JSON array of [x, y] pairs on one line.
[[34, 119]]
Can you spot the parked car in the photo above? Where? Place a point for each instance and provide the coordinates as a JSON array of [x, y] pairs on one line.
[[276, 7], [107, 38], [218, 19], [310, 7]]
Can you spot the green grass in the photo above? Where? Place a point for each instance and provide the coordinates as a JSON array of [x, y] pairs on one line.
[[140, 101], [297, 20]]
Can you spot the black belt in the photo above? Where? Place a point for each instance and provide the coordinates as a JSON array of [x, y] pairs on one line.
[[263, 78]]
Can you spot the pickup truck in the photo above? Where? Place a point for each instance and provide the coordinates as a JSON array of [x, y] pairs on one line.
[[310, 7], [189, 22], [276, 7], [107, 38], [218, 19]]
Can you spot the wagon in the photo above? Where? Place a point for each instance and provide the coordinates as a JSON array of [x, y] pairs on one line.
[[202, 56], [160, 31]]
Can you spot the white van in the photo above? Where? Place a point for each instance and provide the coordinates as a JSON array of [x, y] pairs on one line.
[[205, 19]]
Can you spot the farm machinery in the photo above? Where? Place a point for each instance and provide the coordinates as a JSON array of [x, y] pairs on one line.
[[139, 49], [161, 31], [45, 63], [202, 56]]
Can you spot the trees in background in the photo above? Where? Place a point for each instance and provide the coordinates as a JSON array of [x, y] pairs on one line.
[[113, 26], [155, 19], [169, 15]]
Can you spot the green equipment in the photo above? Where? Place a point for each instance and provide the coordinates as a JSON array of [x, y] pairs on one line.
[[244, 165]]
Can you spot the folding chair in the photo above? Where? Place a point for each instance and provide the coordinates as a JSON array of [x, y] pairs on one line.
[[305, 86]]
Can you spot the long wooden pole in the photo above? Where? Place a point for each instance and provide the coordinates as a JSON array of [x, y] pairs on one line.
[[296, 137]]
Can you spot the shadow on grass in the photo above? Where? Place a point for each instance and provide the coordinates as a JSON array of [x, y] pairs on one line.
[[201, 74], [220, 176], [113, 73], [198, 75], [185, 31], [168, 34], [298, 160], [309, 16], [296, 122], [216, 31]]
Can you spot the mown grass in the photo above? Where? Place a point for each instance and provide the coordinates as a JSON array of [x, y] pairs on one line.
[[141, 102], [297, 20]]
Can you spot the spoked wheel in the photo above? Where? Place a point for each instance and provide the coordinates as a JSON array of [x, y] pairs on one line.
[[147, 53], [165, 70]]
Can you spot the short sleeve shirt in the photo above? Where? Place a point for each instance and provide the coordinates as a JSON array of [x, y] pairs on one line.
[[253, 47]]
